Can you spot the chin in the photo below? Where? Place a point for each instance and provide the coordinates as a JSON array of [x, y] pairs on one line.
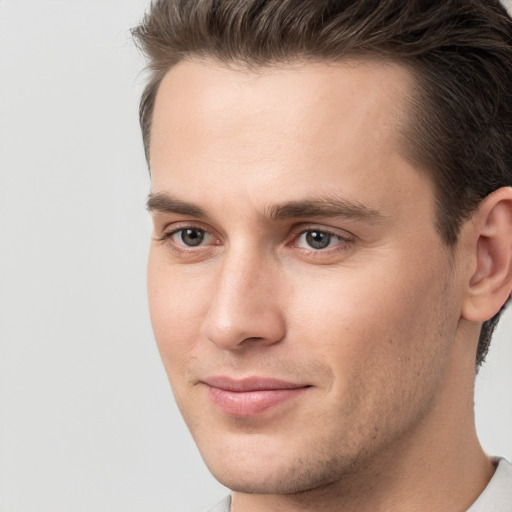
[[292, 479], [258, 480], [259, 469]]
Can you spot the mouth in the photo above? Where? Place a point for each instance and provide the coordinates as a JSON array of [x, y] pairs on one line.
[[251, 396]]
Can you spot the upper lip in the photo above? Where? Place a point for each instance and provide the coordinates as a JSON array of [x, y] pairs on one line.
[[250, 384]]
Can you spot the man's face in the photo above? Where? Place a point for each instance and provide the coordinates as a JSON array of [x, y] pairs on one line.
[[304, 306]]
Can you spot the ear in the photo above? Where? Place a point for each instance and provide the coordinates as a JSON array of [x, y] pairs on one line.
[[491, 279]]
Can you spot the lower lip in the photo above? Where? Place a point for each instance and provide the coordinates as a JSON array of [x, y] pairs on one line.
[[251, 403]]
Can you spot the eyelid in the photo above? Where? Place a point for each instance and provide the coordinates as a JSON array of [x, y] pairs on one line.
[[341, 233], [346, 241], [346, 238], [175, 227]]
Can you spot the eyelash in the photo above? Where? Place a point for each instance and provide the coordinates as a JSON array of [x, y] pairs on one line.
[[344, 242], [167, 239]]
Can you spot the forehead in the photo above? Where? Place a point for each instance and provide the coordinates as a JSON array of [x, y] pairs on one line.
[[299, 100], [282, 125]]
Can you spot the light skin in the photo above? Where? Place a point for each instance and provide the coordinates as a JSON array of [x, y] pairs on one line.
[[294, 241]]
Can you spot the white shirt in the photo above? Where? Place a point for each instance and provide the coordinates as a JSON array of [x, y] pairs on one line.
[[497, 496]]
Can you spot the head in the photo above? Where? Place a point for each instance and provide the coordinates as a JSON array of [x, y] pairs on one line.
[[327, 182], [459, 53]]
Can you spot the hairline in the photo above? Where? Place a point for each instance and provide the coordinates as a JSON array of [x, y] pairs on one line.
[[252, 65]]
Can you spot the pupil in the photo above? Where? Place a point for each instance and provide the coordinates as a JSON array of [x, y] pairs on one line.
[[192, 237], [318, 239]]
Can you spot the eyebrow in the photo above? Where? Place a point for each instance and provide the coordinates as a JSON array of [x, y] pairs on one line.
[[330, 207], [324, 207], [165, 203]]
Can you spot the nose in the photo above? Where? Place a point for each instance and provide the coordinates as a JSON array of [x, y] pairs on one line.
[[245, 310]]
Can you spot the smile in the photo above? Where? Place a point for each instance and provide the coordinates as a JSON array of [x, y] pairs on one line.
[[250, 397]]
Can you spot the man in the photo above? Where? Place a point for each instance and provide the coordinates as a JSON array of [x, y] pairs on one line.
[[332, 206]]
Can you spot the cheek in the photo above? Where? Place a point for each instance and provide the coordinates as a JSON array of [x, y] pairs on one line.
[[378, 321], [385, 348], [177, 304]]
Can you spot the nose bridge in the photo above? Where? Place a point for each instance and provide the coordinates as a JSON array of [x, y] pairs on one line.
[[245, 304]]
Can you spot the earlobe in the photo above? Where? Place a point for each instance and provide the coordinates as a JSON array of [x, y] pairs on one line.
[[491, 279]]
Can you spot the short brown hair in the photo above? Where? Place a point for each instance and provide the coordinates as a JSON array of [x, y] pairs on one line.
[[459, 51]]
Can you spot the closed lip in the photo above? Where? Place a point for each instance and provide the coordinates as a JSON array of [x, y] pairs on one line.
[[251, 384], [252, 396]]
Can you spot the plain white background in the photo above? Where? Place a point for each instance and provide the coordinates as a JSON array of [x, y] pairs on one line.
[[87, 419]]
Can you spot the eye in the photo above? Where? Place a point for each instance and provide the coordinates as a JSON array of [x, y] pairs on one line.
[[317, 239], [190, 237]]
